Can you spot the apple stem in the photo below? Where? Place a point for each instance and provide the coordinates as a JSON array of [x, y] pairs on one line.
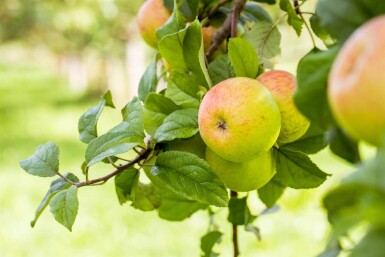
[[234, 194]]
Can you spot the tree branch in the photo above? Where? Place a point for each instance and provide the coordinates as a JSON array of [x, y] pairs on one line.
[[141, 156], [234, 194], [227, 28]]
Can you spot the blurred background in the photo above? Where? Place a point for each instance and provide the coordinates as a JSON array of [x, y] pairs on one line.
[[57, 57]]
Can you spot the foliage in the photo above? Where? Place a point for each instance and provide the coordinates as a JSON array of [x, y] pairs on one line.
[[181, 181]]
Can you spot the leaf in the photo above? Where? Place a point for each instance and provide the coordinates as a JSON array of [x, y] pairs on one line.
[[296, 170], [145, 198], [194, 54], [44, 162], [125, 183], [88, 121], [342, 145], [133, 114], [372, 245], [266, 1], [341, 26], [220, 69], [171, 49], [120, 139], [255, 12], [271, 192], [179, 124], [191, 177], [56, 186], [239, 213], [189, 8], [180, 97], [64, 206], [310, 143], [208, 241], [243, 58], [176, 208], [321, 32], [149, 80], [312, 75], [265, 38], [293, 19], [174, 24]]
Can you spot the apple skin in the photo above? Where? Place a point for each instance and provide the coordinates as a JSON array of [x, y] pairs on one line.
[[151, 16], [282, 86], [356, 86], [238, 119], [243, 176]]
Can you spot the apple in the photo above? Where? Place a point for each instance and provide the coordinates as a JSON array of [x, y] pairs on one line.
[[151, 16], [282, 86], [238, 119], [242, 176], [356, 86]]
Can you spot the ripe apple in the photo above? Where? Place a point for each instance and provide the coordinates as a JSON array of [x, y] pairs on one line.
[[151, 16], [356, 88], [239, 119], [243, 176], [282, 86]]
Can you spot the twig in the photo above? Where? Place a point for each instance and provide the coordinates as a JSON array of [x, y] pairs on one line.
[[298, 11], [66, 179], [224, 31], [216, 8], [234, 194], [142, 155]]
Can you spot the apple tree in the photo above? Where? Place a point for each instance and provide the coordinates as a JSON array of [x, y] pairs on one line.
[[213, 122]]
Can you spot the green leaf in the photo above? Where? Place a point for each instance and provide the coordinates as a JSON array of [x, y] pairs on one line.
[[56, 186], [243, 58], [88, 121], [293, 19], [208, 241], [220, 69], [265, 38], [157, 107], [194, 54], [174, 24], [133, 114], [120, 139], [64, 206], [191, 177], [176, 208], [239, 213], [341, 26], [171, 49], [189, 8], [179, 124], [266, 1], [44, 162], [310, 143], [312, 75], [333, 248], [321, 32], [149, 80], [372, 245], [178, 94], [146, 198], [271, 192], [255, 12], [296, 170], [125, 183], [342, 145]]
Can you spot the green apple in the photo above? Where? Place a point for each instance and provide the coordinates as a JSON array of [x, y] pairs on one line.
[[151, 16], [356, 88], [282, 86], [243, 176], [239, 119]]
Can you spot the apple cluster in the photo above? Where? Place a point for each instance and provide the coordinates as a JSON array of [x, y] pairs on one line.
[[241, 119]]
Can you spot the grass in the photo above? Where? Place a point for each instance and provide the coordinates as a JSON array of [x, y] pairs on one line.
[[36, 106]]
